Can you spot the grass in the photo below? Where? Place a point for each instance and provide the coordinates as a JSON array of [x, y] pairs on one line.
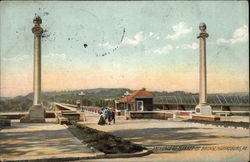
[[102, 141]]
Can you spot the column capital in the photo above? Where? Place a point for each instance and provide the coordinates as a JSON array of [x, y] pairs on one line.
[[37, 29], [203, 34]]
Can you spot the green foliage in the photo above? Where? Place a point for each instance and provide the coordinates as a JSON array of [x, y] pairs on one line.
[[101, 97], [15, 104]]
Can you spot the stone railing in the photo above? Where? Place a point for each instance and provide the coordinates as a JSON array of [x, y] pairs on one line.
[[150, 115], [92, 109]]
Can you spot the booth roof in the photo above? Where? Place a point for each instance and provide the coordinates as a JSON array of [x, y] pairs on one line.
[[131, 98]]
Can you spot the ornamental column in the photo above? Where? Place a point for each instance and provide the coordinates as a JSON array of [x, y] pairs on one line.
[[37, 30], [36, 112], [203, 108]]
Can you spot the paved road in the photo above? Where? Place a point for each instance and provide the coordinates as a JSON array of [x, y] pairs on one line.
[[171, 140], [38, 141], [206, 143]]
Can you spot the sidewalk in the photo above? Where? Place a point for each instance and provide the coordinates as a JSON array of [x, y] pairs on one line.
[[24, 141]]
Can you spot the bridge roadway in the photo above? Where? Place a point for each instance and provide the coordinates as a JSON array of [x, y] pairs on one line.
[[98, 109], [161, 135], [196, 142], [66, 107], [23, 141]]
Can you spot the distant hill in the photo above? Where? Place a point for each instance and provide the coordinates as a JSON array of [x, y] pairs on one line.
[[99, 93], [93, 97]]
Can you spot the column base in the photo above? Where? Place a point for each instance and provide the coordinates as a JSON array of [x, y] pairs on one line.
[[203, 109], [36, 115]]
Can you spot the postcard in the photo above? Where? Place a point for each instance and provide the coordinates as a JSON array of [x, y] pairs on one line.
[[124, 81]]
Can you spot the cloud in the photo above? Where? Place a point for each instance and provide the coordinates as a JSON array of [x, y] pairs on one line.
[[179, 29], [139, 37], [151, 34], [56, 55], [107, 45], [165, 49], [158, 38], [192, 46], [239, 35], [17, 58]]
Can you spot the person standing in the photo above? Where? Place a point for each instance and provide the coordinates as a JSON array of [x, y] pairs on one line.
[[110, 116], [113, 116], [106, 115], [101, 119]]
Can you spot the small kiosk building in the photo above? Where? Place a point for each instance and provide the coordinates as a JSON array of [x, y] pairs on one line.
[[139, 100]]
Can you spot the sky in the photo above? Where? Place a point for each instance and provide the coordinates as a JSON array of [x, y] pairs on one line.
[[151, 44]]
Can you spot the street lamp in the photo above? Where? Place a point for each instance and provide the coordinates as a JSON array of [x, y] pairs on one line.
[[124, 103], [126, 94], [82, 94]]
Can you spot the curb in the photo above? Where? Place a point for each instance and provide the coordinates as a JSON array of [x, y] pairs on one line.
[[126, 155], [59, 159], [97, 156], [219, 126]]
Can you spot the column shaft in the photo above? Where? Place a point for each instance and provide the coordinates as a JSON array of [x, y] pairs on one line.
[[203, 108], [37, 70], [203, 78]]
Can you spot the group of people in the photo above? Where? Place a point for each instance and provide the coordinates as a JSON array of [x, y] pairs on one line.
[[106, 116]]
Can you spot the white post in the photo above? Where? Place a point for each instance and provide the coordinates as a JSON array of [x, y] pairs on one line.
[[203, 107]]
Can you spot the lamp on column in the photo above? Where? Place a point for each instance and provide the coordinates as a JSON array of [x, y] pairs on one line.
[[82, 94], [203, 108]]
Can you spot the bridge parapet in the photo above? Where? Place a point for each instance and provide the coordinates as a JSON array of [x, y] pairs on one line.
[[215, 100], [92, 109], [66, 113]]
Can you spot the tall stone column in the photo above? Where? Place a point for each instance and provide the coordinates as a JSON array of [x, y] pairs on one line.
[[37, 30], [203, 108], [36, 112]]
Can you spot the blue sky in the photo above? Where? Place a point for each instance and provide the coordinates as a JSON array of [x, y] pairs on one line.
[[148, 44]]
